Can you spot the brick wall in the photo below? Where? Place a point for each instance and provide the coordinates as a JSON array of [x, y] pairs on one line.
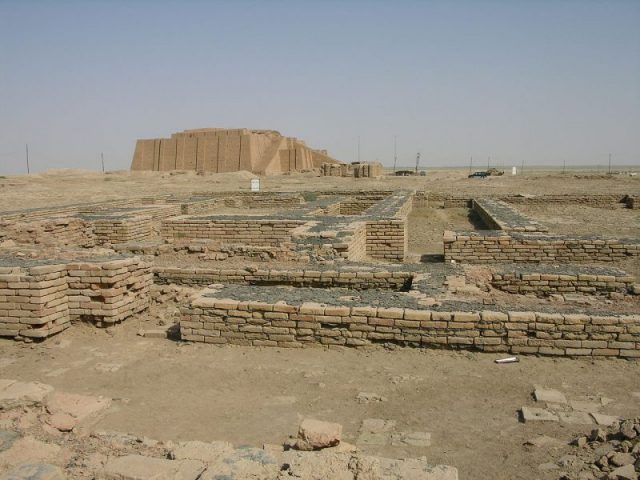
[[225, 321], [424, 198], [108, 292], [33, 301], [359, 280], [122, 229], [248, 231], [37, 301], [544, 284], [500, 216], [496, 246], [388, 239], [62, 231], [358, 204]]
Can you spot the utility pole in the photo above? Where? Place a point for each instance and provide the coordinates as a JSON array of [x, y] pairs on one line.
[[102, 160], [609, 164], [564, 165], [358, 148], [417, 162], [488, 162], [470, 164], [27, 149], [395, 152], [522, 168]]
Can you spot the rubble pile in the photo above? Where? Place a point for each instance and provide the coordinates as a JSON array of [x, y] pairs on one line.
[[612, 453]]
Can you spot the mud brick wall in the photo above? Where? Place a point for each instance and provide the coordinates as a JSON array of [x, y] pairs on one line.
[[161, 211], [203, 206], [122, 229], [62, 231], [600, 201], [499, 216], [264, 200], [359, 280], [434, 199], [38, 301], [359, 170], [108, 292], [387, 238], [247, 231], [544, 284], [424, 198], [33, 301], [494, 246], [358, 204], [226, 321], [357, 244]]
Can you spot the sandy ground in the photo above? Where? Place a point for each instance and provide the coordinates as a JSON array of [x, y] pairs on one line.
[[168, 390], [70, 186]]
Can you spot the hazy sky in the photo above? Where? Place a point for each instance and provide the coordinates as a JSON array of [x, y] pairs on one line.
[[535, 81]]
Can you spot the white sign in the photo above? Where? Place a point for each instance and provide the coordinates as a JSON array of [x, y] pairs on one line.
[[513, 170], [255, 184]]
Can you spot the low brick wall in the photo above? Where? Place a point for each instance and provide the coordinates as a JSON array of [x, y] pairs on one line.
[[122, 229], [200, 206], [33, 301], [544, 284], [358, 280], [264, 200], [598, 201], [62, 231], [108, 292], [358, 204], [499, 216], [387, 238], [225, 321], [247, 231], [497, 246], [37, 301], [424, 198]]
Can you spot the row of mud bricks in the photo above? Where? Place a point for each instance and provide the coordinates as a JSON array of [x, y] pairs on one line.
[[41, 300], [359, 280], [472, 247], [248, 231], [545, 283], [225, 321]]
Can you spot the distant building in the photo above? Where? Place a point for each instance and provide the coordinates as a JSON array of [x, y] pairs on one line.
[[221, 150]]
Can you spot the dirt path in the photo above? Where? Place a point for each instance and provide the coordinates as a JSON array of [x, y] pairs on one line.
[[166, 390]]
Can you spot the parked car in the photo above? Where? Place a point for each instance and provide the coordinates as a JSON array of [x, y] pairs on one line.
[[479, 175]]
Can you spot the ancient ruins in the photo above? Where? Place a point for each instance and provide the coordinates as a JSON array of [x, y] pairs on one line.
[[335, 268], [220, 150]]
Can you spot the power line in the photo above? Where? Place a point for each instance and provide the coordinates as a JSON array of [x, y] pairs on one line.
[[395, 153]]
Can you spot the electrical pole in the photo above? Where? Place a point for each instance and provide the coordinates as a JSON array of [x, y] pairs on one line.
[[102, 160], [488, 162], [358, 148], [522, 168], [27, 149], [417, 162], [564, 165], [470, 164], [395, 153], [609, 164]]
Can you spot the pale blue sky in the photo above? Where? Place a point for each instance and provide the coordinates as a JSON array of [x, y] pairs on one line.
[[535, 81]]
